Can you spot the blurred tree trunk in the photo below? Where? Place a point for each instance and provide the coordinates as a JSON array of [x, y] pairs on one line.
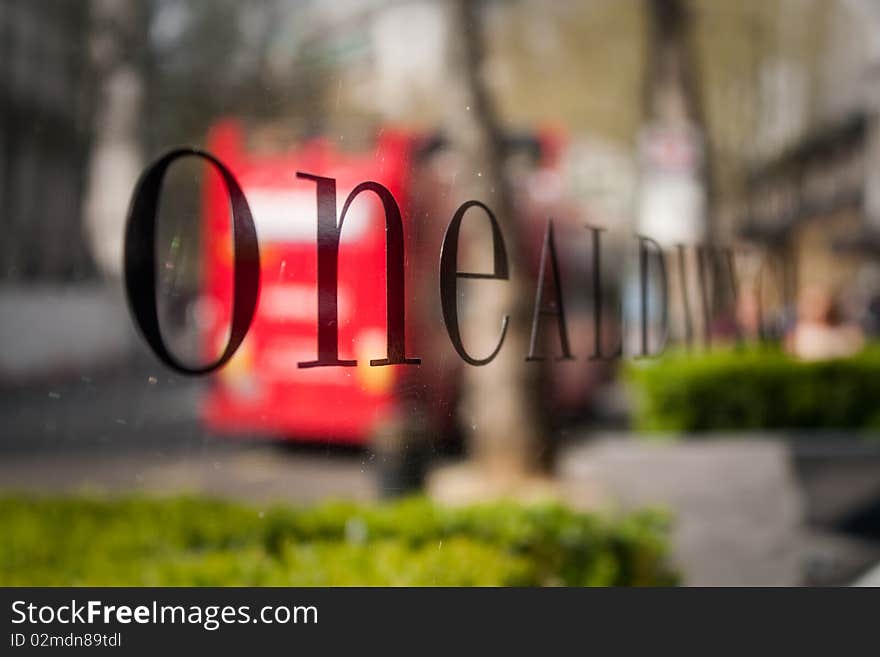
[[673, 105], [673, 93], [117, 45], [671, 90], [500, 400]]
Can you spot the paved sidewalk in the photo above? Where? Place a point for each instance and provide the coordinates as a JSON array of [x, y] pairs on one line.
[[253, 472], [737, 504]]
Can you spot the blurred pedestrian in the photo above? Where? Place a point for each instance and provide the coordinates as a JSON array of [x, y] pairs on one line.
[[821, 332]]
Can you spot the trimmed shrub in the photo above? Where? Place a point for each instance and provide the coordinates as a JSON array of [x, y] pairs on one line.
[[189, 541], [743, 389]]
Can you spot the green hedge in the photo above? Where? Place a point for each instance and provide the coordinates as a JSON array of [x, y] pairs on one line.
[[755, 389], [190, 541]]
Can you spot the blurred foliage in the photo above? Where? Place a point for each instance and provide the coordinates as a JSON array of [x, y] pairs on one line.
[[189, 541], [577, 64], [755, 389]]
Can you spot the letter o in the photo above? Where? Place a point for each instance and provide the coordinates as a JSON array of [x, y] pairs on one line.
[[140, 260]]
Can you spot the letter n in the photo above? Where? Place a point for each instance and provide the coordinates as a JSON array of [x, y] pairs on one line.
[[329, 232]]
